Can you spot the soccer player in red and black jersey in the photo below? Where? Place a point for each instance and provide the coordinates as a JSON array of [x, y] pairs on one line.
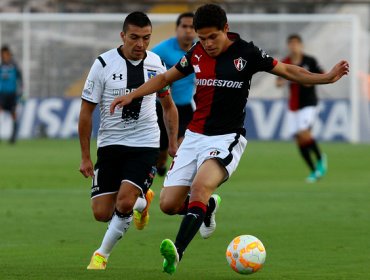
[[223, 64], [302, 109]]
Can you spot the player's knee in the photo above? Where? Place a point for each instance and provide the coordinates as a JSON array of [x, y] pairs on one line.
[[102, 215], [126, 204], [304, 138], [168, 208], [167, 204]]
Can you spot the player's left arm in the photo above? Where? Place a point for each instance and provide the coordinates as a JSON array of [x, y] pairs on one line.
[[171, 121], [19, 82], [300, 75]]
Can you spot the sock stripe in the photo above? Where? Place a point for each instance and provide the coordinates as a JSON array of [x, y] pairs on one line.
[[198, 204], [122, 215]]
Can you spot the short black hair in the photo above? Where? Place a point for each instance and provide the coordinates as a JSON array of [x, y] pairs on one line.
[[294, 37], [210, 15], [184, 15], [139, 19], [5, 48]]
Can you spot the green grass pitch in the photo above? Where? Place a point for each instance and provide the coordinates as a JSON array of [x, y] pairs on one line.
[[310, 231]]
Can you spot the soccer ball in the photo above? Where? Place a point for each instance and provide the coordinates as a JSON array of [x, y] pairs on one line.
[[246, 254]]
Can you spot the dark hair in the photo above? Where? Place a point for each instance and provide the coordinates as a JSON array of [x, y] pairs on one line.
[[210, 15], [184, 15], [5, 48], [136, 18], [294, 37]]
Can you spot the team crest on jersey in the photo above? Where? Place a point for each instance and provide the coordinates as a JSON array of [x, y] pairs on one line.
[[184, 62], [89, 86], [151, 74], [215, 153], [240, 63]]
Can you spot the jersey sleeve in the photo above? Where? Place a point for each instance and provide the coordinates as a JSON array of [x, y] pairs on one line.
[[262, 61], [94, 88], [316, 68], [184, 65]]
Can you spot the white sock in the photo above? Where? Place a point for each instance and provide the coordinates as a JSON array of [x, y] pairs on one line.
[[140, 204], [116, 229]]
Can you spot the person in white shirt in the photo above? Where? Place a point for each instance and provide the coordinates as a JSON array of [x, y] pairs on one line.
[[128, 140]]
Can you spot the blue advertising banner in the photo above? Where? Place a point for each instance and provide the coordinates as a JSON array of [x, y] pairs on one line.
[[266, 119]]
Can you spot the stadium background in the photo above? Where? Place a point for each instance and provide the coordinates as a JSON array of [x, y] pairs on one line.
[[318, 231], [55, 43]]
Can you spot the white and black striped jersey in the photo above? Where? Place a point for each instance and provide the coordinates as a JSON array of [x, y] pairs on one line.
[[113, 75]]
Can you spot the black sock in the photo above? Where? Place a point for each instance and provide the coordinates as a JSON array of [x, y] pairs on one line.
[[14, 132], [190, 226], [184, 208], [315, 148], [305, 152]]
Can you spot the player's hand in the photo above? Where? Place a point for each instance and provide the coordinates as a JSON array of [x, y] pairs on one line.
[[86, 168], [172, 149], [338, 71], [120, 102]]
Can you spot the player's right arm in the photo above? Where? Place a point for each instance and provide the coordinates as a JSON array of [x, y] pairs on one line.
[[153, 85], [84, 131], [91, 96]]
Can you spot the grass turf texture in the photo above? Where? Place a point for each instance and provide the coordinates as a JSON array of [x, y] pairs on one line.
[[310, 231]]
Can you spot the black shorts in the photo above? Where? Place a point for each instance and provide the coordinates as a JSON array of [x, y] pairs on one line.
[[117, 163], [8, 102], [185, 116]]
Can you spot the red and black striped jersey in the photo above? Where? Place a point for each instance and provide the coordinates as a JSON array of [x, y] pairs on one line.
[[302, 96], [223, 84]]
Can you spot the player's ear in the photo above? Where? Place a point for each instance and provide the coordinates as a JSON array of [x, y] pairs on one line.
[[226, 28], [122, 34]]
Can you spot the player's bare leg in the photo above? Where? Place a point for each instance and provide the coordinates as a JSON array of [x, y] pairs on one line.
[[174, 200], [118, 225], [103, 207], [209, 176]]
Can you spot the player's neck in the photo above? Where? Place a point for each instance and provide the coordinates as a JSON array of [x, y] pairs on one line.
[[296, 58], [184, 46], [228, 43]]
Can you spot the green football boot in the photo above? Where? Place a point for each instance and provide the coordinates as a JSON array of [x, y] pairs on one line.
[[171, 257]]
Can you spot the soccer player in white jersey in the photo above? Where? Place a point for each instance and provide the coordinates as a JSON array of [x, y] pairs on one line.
[[128, 140], [223, 64]]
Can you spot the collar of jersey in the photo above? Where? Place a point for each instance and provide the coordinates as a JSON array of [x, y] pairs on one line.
[[233, 36]]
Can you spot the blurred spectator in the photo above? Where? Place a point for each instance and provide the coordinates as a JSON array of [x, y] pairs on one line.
[[171, 51], [10, 87]]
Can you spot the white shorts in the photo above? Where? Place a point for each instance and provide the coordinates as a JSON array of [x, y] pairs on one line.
[[197, 148], [302, 119]]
